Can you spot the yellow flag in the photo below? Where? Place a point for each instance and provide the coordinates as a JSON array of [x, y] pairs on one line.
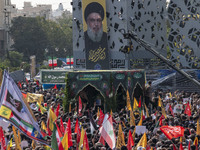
[[151, 148], [120, 138], [132, 119], [11, 142], [133, 134], [198, 128], [140, 122], [143, 141], [128, 101], [19, 137], [146, 109], [82, 137], [5, 112], [135, 104], [32, 97], [9, 145], [70, 107], [170, 94], [159, 102], [16, 138], [111, 112], [195, 141], [98, 113], [52, 117], [42, 109], [181, 139], [43, 126], [163, 112], [33, 145], [65, 141]]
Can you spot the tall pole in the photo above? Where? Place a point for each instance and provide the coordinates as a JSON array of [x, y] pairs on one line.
[[141, 42]]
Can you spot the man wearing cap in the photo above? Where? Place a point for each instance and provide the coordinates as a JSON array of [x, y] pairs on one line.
[[95, 38]]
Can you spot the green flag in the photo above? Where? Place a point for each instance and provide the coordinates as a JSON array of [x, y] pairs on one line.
[[54, 143]]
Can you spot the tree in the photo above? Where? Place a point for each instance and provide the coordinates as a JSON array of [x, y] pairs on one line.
[[29, 38]]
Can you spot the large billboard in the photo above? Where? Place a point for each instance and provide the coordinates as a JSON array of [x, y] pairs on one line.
[[95, 34]]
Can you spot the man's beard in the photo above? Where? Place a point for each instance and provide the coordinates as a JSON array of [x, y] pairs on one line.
[[95, 37]]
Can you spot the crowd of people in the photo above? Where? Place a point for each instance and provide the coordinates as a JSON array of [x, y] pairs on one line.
[[173, 104]]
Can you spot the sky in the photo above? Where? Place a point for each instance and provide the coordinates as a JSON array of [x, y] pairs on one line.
[[55, 3]]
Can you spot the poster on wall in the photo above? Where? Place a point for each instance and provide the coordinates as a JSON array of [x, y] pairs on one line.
[[95, 34]]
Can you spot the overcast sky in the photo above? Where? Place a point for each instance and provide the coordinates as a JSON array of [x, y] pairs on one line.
[[55, 3]]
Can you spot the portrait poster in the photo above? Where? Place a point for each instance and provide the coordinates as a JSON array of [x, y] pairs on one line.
[[95, 34]]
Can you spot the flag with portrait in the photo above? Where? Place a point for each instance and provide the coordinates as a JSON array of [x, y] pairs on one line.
[[16, 110]]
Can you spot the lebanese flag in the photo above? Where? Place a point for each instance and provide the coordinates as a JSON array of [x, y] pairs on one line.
[[187, 110], [107, 132], [172, 132], [80, 105], [58, 137], [130, 141]]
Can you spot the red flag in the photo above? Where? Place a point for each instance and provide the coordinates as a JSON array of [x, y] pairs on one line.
[[172, 132], [160, 120], [187, 110], [26, 81], [57, 110], [37, 82], [174, 147], [171, 110], [101, 117], [79, 105], [78, 137], [85, 142], [189, 146], [140, 103], [62, 129], [76, 126], [19, 84], [181, 146], [2, 137], [130, 141], [68, 129], [24, 94], [55, 87]]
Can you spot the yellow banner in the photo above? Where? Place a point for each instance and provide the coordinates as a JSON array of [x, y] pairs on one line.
[[5, 112], [32, 97]]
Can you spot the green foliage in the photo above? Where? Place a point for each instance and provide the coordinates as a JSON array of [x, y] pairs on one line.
[[66, 100], [25, 66], [12, 62], [42, 38], [15, 58], [29, 38]]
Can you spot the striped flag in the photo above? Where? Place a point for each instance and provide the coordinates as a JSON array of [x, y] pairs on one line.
[[17, 111], [107, 132]]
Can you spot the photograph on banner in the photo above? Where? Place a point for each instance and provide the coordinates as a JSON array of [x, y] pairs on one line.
[[95, 34], [178, 108]]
